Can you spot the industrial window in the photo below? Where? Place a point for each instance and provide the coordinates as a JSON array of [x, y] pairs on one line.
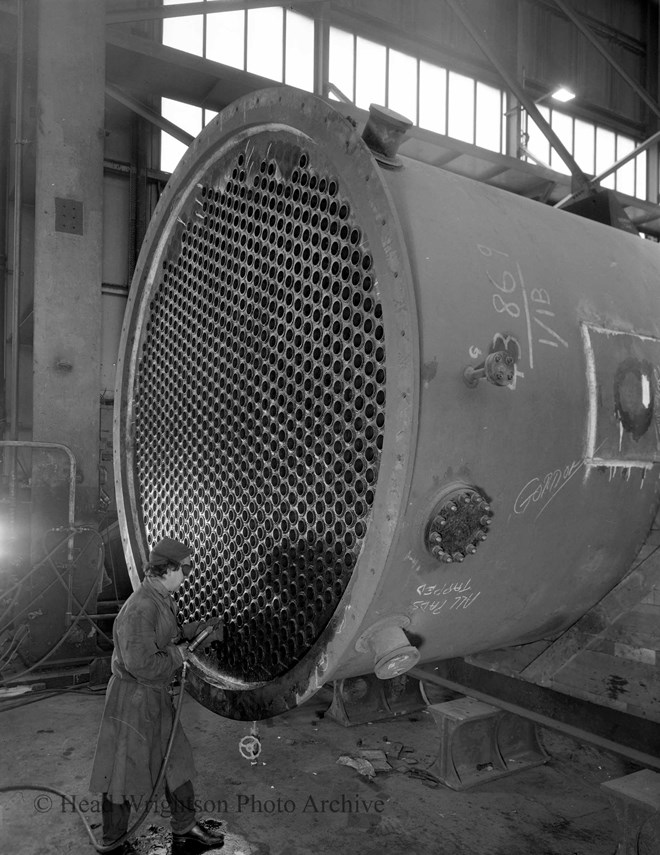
[[460, 107], [188, 118], [271, 42], [370, 73], [401, 80], [278, 44], [432, 113], [299, 51], [341, 64], [594, 148], [225, 38], [265, 42], [366, 72], [185, 33]]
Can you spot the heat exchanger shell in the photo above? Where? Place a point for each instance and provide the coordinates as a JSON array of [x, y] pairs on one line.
[[299, 399]]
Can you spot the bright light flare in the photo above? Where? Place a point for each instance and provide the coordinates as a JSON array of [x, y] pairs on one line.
[[563, 94]]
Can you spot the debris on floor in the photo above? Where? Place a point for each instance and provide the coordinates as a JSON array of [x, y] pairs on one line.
[[363, 766], [157, 840], [377, 759], [303, 801]]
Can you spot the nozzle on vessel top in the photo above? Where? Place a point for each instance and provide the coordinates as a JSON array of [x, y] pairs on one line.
[[384, 133]]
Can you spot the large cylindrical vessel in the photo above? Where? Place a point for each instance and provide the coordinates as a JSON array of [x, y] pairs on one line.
[[397, 414]]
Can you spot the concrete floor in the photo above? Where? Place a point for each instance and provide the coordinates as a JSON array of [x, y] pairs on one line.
[[554, 809]]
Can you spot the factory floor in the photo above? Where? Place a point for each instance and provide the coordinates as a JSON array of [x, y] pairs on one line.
[[297, 799]]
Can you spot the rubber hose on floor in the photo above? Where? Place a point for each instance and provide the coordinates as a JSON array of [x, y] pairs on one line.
[[108, 847]]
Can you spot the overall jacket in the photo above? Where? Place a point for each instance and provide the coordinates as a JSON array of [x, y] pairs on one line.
[[139, 712]]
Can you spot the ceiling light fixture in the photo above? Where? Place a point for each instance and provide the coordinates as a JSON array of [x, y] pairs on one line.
[[562, 94]]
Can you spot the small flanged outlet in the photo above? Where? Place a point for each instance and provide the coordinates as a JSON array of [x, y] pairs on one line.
[[458, 524]]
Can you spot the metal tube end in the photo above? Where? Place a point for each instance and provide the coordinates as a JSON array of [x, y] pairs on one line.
[[392, 651], [384, 133]]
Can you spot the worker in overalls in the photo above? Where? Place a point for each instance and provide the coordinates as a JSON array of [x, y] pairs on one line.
[[149, 649]]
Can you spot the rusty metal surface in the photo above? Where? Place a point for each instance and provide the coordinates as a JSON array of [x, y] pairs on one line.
[[292, 401]]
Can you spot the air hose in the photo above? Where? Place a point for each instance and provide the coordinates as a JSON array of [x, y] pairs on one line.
[[109, 847]]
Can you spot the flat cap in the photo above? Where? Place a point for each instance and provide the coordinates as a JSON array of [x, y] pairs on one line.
[[167, 550]]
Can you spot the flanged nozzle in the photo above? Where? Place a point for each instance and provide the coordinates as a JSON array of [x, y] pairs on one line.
[[498, 368], [393, 653], [384, 133]]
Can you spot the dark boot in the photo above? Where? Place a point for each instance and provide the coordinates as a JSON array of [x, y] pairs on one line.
[[202, 834]]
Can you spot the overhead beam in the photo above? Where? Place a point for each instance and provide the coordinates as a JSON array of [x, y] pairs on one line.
[[652, 140], [628, 735], [151, 116], [644, 219], [493, 172], [178, 10], [650, 102], [141, 68], [144, 68], [580, 180]]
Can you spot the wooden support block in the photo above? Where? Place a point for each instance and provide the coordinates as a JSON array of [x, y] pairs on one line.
[[636, 802], [613, 680], [653, 596], [640, 627]]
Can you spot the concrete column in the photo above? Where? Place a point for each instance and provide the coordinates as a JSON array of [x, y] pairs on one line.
[[68, 252]]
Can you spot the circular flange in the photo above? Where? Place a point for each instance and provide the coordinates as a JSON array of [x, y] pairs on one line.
[[458, 524]]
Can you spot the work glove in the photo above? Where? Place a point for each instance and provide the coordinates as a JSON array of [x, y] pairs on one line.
[[193, 629], [183, 650]]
